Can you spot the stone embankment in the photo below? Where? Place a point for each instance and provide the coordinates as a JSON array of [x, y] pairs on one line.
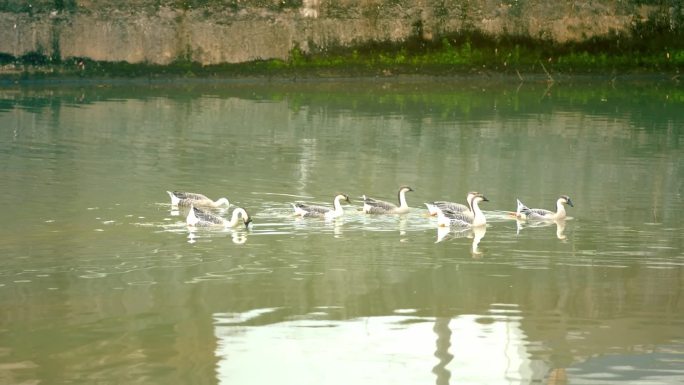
[[233, 31]]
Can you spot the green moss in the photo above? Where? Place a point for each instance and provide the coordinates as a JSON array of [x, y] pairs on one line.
[[65, 5], [34, 58], [6, 58], [465, 53]]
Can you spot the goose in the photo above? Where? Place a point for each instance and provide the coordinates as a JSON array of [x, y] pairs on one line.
[[452, 206], [524, 212], [200, 218], [306, 210], [448, 218], [373, 206], [179, 198]]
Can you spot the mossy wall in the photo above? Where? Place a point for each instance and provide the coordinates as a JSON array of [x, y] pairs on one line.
[[233, 31]]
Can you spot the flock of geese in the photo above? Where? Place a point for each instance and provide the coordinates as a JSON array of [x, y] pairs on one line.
[[449, 214]]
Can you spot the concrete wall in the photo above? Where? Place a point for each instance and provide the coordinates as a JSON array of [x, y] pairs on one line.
[[220, 31]]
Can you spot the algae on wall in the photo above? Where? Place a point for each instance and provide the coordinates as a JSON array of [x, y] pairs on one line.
[[234, 31]]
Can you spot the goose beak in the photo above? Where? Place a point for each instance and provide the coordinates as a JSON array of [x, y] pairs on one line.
[[248, 222], [570, 203], [484, 198]]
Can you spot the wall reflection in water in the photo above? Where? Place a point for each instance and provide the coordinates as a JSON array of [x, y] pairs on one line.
[[401, 348]]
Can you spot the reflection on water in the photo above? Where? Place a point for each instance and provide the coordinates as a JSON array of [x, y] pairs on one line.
[[100, 278], [401, 348], [559, 224], [476, 233]]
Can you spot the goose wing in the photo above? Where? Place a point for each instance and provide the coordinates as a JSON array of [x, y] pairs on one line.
[[207, 217], [448, 218], [189, 195], [451, 206], [377, 206], [456, 208], [310, 210], [458, 218], [536, 213]]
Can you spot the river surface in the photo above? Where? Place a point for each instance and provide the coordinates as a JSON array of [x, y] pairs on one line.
[[101, 281]]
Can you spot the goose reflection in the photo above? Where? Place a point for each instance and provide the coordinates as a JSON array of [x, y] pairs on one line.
[[237, 235], [337, 228], [192, 237], [403, 224], [560, 229], [560, 226], [476, 233]]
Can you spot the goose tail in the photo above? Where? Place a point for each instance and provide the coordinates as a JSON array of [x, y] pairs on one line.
[[442, 220], [174, 198], [432, 209], [191, 219], [520, 210], [298, 210]]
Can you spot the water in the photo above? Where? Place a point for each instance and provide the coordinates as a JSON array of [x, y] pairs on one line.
[[101, 281]]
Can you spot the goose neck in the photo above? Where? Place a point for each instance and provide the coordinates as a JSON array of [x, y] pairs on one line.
[[402, 199], [478, 217], [337, 206], [560, 209], [222, 201]]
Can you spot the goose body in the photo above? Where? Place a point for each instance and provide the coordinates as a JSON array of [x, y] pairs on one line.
[[448, 218], [306, 210], [451, 206], [200, 218], [524, 212], [180, 198], [374, 206]]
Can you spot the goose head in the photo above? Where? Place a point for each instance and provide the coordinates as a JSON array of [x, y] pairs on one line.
[[247, 221], [470, 196], [404, 189], [343, 197], [479, 198], [474, 196], [566, 199]]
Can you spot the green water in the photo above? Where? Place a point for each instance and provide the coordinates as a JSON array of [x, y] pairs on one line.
[[102, 282]]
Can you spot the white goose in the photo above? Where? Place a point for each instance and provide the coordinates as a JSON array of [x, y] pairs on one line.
[[200, 218], [451, 206], [447, 218], [306, 210], [179, 198], [374, 206], [524, 212]]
